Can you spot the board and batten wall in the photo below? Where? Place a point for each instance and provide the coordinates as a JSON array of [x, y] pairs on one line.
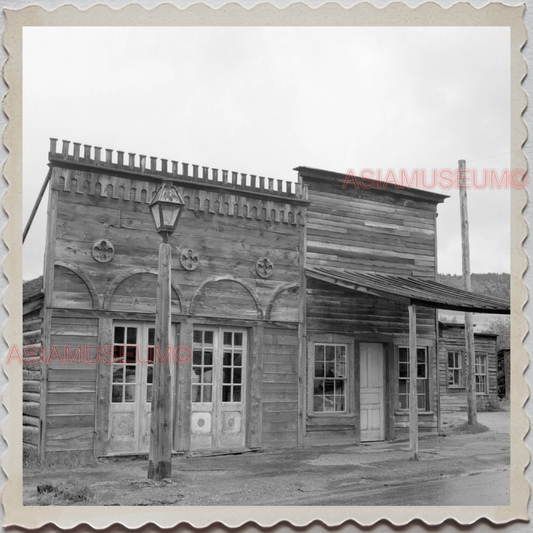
[[376, 230], [229, 229]]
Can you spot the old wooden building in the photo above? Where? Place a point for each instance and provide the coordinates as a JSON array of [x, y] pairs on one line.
[[289, 308], [452, 354]]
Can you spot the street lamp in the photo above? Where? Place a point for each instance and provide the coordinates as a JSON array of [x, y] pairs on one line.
[[166, 208]]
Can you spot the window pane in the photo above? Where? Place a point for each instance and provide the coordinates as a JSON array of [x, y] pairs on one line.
[[341, 353], [329, 403], [237, 393], [129, 395], [117, 394], [330, 353], [226, 375], [130, 374], [339, 387], [208, 358], [208, 337], [130, 353], [404, 370], [227, 359], [237, 359], [404, 355], [195, 397], [451, 361], [404, 386], [150, 374], [132, 336], [208, 393], [118, 374], [319, 370], [421, 385], [226, 393], [208, 375], [237, 375], [421, 371], [237, 339], [197, 357], [319, 352], [339, 403], [318, 386], [340, 369], [330, 369], [151, 336], [197, 336], [421, 355], [149, 393], [227, 338], [119, 335]]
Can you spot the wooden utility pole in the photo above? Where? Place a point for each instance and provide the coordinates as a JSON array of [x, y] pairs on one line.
[[159, 465], [469, 328], [413, 382]]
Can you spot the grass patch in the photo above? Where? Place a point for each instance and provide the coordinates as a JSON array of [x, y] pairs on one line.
[[466, 429], [67, 492], [58, 460]]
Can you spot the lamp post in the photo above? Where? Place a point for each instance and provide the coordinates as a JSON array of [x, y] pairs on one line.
[[166, 209]]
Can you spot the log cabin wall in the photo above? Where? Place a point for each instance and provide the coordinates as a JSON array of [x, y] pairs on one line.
[[32, 326], [452, 352], [235, 264], [357, 224]]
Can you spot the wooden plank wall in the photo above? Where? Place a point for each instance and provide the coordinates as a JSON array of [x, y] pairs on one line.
[[71, 384], [376, 231], [280, 387], [370, 230], [453, 339], [230, 232]]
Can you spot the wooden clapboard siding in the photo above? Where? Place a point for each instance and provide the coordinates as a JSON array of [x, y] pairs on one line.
[[280, 388], [372, 231], [452, 338], [71, 396]]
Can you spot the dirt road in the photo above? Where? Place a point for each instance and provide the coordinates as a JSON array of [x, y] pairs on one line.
[[370, 474]]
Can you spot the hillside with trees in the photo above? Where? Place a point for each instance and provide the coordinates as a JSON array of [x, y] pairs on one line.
[[497, 285]]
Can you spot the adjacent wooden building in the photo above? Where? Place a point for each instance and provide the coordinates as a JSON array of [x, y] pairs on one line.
[[289, 307], [452, 361]]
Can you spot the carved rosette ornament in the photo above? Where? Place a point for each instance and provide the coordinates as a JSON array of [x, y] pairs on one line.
[[264, 267], [189, 259], [103, 251]]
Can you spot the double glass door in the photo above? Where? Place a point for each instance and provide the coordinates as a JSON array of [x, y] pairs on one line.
[[131, 387], [218, 388]]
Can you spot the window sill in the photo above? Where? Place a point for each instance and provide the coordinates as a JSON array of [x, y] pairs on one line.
[[406, 412], [330, 413]]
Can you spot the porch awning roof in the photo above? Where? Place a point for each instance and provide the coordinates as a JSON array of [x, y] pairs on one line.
[[411, 290]]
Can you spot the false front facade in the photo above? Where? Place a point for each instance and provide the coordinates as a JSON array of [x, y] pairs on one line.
[[290, 319]]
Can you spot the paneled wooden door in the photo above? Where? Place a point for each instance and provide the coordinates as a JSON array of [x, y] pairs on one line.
[[131, 387], [372, 375], [218, 388]]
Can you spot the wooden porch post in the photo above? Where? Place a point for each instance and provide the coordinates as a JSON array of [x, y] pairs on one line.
[[413, 396]]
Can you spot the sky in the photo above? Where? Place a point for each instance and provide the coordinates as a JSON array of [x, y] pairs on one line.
[[266, 100]]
